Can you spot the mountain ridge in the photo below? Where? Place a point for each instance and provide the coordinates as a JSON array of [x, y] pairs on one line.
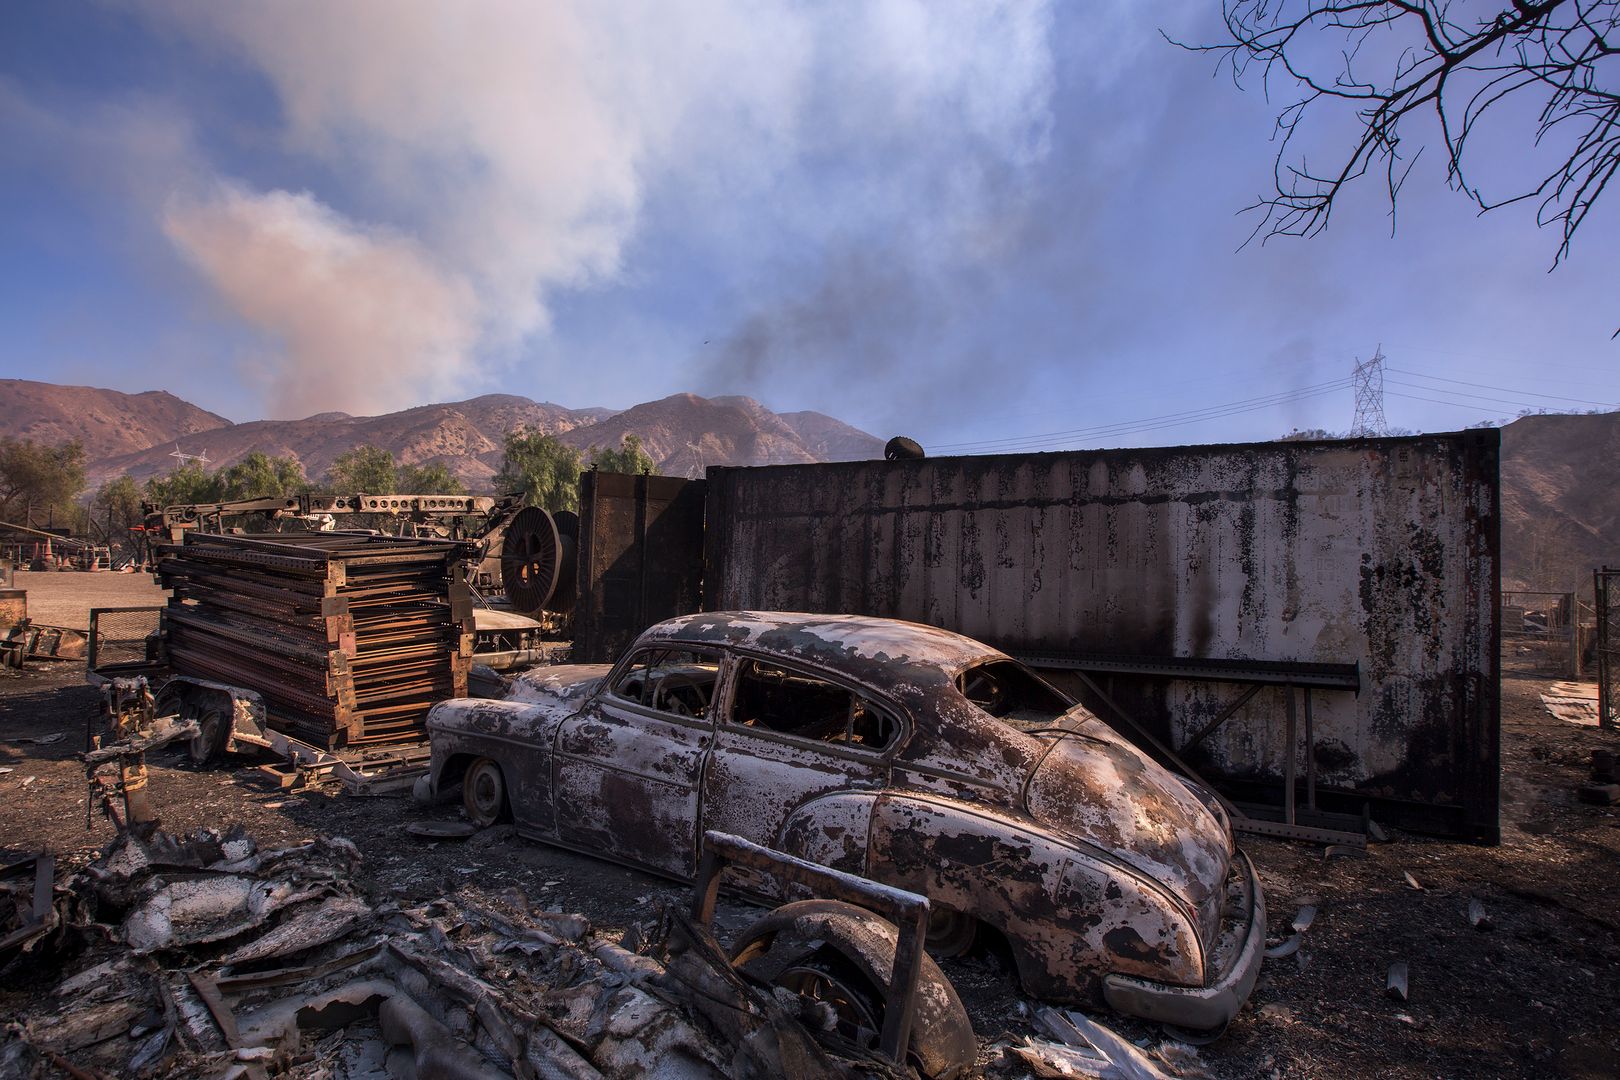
[[683, 433], [1558, 474]]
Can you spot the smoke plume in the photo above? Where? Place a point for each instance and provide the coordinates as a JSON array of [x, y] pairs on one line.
[[467, 163], [362, 316]]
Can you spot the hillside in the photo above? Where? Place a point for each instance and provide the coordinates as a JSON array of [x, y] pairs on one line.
[[685, 433], [106, 421], [1560, 510], [465, 435], [138, 433]]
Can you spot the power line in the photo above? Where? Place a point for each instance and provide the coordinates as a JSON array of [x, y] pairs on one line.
[[1503, 389], [1153, 423], [1171, 420], [1440, 401], [1461, 394]]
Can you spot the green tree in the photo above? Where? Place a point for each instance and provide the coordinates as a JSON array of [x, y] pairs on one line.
[[628, 458], [368, 469], [540, 466], [258, 475], [116, 505], [431, 479], [38, 481], [190, 483]]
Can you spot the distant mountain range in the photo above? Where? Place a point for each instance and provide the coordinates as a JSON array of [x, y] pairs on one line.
[[139, 433], [1560, 513]]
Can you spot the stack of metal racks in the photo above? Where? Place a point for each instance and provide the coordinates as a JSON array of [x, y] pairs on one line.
[[348, 637]]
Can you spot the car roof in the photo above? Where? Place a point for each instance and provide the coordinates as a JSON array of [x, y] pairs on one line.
[[878, 652]]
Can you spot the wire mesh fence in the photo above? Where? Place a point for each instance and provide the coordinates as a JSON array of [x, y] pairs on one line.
[[1541, 635], [1606, 649], [120, 635]]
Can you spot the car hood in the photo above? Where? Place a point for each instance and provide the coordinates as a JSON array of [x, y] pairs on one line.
[[1097, 788], [569, 684]]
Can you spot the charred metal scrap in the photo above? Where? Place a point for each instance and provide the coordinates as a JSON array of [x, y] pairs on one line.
[[206, 956]]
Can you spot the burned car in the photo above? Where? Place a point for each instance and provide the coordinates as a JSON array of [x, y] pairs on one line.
[[903, 753]]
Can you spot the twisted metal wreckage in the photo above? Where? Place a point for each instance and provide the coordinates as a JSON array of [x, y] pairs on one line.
[[206, 956]]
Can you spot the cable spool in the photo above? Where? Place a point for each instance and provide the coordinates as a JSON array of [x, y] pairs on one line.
[[562, 597], [901, 448], [537, 560]]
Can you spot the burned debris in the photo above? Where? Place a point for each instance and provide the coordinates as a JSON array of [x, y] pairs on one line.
[[204, 955]]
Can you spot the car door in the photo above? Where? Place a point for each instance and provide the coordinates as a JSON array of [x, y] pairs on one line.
[[628, 766], [784, 736]]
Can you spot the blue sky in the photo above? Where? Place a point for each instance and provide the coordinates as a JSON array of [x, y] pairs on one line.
[[984, 226]]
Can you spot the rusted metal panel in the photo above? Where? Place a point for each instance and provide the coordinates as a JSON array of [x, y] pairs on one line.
[[1381, 553], [349, 638], [640, 558]]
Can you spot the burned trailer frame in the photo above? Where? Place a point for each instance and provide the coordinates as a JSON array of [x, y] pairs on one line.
[[1373, 556], [461, 517]]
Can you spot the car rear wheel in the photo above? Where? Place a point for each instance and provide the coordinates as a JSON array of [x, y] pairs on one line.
[[483, 793], [950, 932]]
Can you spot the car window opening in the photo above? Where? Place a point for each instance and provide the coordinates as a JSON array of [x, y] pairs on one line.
[[806, 707], [1009, 691], [676, 681]]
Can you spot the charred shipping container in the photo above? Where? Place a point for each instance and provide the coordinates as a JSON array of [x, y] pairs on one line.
[[1311, 625]]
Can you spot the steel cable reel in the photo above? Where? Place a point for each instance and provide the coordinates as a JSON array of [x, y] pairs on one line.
[[537, 560]]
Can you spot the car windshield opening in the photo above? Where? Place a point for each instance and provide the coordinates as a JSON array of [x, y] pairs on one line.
[[1009, 691], [773, 698], [675, 681]]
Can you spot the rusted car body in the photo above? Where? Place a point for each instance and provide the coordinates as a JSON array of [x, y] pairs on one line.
[[904, 753]]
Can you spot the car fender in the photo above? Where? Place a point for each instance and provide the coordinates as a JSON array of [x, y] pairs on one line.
[[1070, 915], [517, 735]]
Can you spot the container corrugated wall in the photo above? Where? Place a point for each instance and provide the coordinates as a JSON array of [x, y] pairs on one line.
[[1378, 552]]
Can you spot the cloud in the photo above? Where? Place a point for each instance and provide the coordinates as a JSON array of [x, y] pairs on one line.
[[475, 161]]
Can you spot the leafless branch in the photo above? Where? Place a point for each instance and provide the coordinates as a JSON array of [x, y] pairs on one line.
[[1466, 63]]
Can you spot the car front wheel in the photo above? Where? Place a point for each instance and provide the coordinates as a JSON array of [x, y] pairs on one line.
[[483, 793]]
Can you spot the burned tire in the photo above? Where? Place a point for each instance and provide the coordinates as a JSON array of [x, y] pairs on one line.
[[208, 745], [840, 956], [483, 793]]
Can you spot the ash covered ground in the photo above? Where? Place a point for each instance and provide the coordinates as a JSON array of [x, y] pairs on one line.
[[1533, 995]]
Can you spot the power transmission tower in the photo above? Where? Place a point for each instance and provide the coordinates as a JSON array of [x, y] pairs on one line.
[[1368, 380]]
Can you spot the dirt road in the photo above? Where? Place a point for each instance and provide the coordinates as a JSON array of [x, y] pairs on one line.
[[64, 598]]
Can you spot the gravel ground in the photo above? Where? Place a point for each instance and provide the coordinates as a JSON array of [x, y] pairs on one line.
[[1534, 995]]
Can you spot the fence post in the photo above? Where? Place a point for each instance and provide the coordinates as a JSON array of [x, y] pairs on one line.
[[1600, 601], [1574, 609]]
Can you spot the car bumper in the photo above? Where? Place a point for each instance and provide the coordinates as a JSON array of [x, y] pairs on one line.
[[1202, 1008]]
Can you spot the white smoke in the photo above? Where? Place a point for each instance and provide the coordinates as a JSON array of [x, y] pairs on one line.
[[494, 153]]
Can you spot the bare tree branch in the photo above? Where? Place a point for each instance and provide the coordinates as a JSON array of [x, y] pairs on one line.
[[1386, 64]]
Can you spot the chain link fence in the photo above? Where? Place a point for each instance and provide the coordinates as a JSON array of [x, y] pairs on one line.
[[122, 636], [1541, 636]]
